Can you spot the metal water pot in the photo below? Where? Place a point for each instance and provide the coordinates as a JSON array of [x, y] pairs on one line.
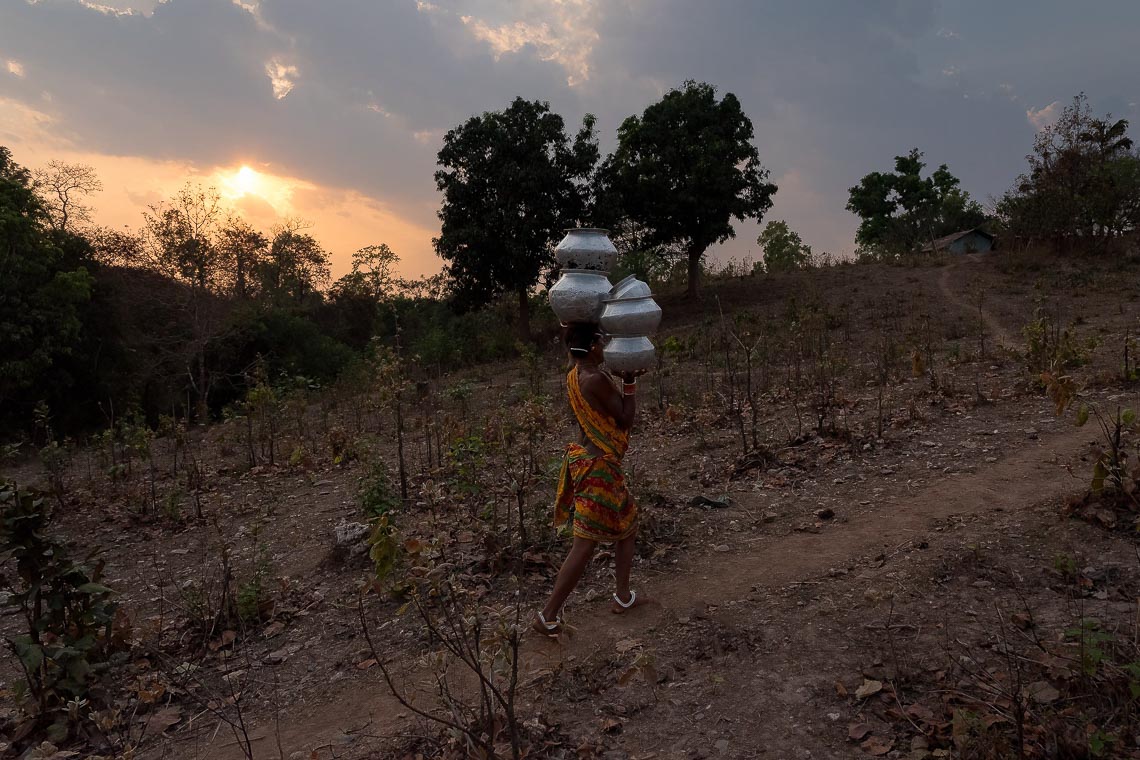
[[586, 248], [629, 353], [631, 316], [631, 287], [578, 295]]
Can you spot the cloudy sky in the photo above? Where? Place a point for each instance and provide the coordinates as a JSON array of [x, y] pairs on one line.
[[337, 107]]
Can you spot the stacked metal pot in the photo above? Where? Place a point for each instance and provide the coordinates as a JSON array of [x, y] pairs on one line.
[[626, 312]]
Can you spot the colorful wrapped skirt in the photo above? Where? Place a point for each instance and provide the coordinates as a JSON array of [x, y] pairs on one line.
[[592, 494]]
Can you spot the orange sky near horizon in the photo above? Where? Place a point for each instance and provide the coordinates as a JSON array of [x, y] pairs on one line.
[[342, 220]]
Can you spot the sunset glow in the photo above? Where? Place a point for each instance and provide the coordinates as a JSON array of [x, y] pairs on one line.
[[244, 184], [336, 114], [246, 180]]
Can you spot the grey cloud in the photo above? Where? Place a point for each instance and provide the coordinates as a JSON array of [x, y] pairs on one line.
[[188, 81], [835, 89]]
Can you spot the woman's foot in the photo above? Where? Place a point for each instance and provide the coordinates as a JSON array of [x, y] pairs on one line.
[[546, 629], [620, 605]]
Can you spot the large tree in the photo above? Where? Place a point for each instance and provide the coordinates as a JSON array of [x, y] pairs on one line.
[[683, 170], [63, 189], [784, 250], [1083, 183], [44, 284], [181, 242], [373, 275], [243, 251], [181, 237], [511, 180], [902, 211], [295, 268]]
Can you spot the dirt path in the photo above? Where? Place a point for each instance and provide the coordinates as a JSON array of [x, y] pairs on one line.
[[957, 296], [1032, 473]]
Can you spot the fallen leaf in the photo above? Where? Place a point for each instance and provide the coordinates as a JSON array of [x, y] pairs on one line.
[[224, 640], [1042, 692], [1105, 517], [840, 689], [868, 688], [626, 645], [611, 725], [366, 664], [164, 719], [920, 712], [273, 629], [857, 732], [877, 746], [585, 750]]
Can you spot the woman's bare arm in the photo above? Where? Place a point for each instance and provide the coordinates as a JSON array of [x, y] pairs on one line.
[[603, 396]]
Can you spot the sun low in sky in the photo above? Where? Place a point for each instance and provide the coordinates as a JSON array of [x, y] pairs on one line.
[[336, 112], [246, 180], [236, 184]]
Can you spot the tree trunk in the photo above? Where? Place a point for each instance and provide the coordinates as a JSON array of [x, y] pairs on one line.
[[400, 446], [695, 255], [203, 400], [524, 315]]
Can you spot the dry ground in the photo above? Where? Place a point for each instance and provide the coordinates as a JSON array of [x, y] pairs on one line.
[[919, 561]]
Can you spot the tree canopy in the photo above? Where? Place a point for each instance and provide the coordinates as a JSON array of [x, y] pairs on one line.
[[512, 181], [784, 251], [901, 211], [44, 284], [683, 170], [1083, 183], [63, 189]]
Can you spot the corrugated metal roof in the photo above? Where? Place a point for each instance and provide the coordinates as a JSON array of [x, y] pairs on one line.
[[944, 242]]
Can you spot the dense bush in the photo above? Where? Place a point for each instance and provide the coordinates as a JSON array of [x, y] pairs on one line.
[[67, 615]]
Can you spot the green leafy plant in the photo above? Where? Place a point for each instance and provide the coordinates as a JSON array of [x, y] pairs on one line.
[[378, 495], [1066, 566], [461, 394], [1094, 643], [341, 446], [299, 458], [383, 547], [465, 458], [1111, 477], [1110, 471], [1101, 742], [254, 600], [1049, 345], [55, 460], [172, 506], [67, 613], [1133, 671]]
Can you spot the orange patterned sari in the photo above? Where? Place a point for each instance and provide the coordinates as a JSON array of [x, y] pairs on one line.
[[591, 488]]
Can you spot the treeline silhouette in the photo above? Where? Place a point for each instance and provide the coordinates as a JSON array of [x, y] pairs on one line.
[[183, 316]]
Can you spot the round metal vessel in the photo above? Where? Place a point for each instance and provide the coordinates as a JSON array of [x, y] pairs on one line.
[[630, 287], [578, 295], [631, 316], [630, 353], [586, 248]]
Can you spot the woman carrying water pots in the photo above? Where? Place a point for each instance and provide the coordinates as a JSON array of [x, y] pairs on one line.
[[592, 495]]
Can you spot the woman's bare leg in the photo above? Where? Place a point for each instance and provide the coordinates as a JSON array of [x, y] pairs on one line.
[[623, 562], [568, 576]]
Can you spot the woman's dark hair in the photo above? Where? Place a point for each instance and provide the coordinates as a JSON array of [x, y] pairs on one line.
[[580, 337]]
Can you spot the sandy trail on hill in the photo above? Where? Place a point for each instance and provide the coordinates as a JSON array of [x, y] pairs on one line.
[[959, 296], [1036, 471]]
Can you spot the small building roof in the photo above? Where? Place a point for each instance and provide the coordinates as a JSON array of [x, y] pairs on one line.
[[945, 242]]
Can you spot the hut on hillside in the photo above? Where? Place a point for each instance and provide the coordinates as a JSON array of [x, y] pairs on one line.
[[966, 241]]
